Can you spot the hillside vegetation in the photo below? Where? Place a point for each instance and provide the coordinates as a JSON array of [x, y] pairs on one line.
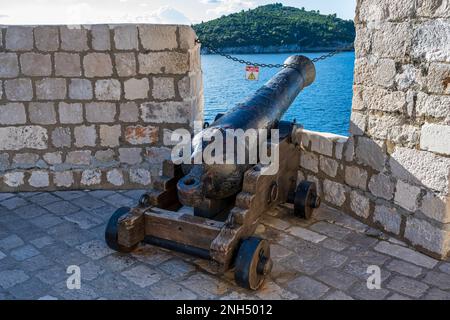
[[276, 25]]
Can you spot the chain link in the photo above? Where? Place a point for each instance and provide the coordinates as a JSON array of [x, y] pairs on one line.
[[270, 65]]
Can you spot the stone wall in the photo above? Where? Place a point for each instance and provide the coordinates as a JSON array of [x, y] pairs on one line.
[[393, 171], [92, 106]]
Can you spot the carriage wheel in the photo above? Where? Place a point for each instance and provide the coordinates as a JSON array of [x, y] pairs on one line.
[[306, 199]]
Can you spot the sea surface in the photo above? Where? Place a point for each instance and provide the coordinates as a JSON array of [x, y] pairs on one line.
[[324, 106]]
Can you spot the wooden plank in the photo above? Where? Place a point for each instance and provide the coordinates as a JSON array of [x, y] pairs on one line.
[[182, 228], [131, 229]]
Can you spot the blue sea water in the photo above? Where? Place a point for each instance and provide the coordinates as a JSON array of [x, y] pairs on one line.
[[323, 106]]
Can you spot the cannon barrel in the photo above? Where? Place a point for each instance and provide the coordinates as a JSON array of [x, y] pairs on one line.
[[262, 110]]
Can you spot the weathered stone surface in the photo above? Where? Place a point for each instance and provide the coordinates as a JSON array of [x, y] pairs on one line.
[[163, 88], [9, 65], [130, 155], [335, 193], [63, 179], [36, 64], [382, 186], [436, 207], [16, 138], [110, 135], [136, 89], [349, 152], [107, 89], [408, 286], [406, 196], [14, 179], [385, 72], [405, 135], [70, 113], [392, 40], [356, 177], [51, 89], [129, 112], [19, 90], [435, 138], [322, 142], [433, 106], [421, 168], [42, 113], [163, 62], [115, 177], [61, 137], [73, 38], [140, 176], [329, 166], [371, 153], [91, 177], [85, 136], [80, 158], [4, 161], [100, 112], [432, 41], [309, 161], [53, 158], [424, 234], [19, 38], [158, 37], [380, 126], [339, 147], [67, 64], [166, 112], [105, 155], [409, 77], [25, 160], [438, 78], [97, 65], [187, 37], [360, 204], [46, 38], [101, 38], [141, 135], [125, 64], [406, 254], [358, 124], [126, 37], [80, 89], [39, 179], [389, 218]]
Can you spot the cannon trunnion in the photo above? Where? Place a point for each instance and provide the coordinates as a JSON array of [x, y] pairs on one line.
[[212, 211]]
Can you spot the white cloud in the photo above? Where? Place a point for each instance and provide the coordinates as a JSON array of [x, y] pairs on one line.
[[229, 6]]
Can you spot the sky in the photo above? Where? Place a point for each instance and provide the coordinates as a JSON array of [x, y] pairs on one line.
[[147, 11]]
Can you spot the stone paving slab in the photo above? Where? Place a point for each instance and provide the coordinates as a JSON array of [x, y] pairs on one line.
[[328, 257]]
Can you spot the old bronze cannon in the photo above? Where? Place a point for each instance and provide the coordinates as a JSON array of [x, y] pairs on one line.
[[226, 200]]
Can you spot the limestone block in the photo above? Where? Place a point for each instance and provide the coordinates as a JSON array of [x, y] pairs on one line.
[[405, 135], [126, 37], [309, 161], [392, 40], [85, 136], [432, 41], [433, 106], [358, 123], [436, 207], [187, 37], [42, 113], [61, 137], [4, 161], [36, 64], [407, 196], [421, 168], [371, 153], [70, 113], [67, 64], [19, 38], [46, 38], [125, 64], [335, 193], [39, 179], [115, 177], [91, 177], [141, 135], [158, 37], [356, 177], [339, 147], [385, 72], [424, 234], [79, 158], [433, 9], [166, 112], [129, 112], [381, 186], [26, 137], [80, 89], [110, 135], [97, 65], [51, 89], [14, 179], [163, 62], [388, 218], [105, 155], [360, 204], [163, 88], [438, 78], [63, 179], [107, 89], [19, 89], [73, 38], [435, 138], [9, 65], [130, 155], [53, 158], [140, 176], [25, 160], [101, 38], [329, 166], [349, 152], [322, 142], [380, 126], [100, 112], [136, 89]]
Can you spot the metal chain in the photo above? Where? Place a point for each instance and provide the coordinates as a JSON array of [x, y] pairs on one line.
[[270, 65]]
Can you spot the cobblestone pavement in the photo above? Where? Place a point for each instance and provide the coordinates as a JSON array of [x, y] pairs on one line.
[[41, 234]]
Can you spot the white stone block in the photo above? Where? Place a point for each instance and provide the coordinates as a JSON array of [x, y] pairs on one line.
[[406, 196], [436, 138], [389, 218], [360, 204]]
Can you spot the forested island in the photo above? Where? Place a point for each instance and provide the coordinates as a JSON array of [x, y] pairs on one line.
[[275, 28]]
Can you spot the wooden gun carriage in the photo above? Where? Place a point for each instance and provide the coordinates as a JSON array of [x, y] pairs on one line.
[[227, 201]]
